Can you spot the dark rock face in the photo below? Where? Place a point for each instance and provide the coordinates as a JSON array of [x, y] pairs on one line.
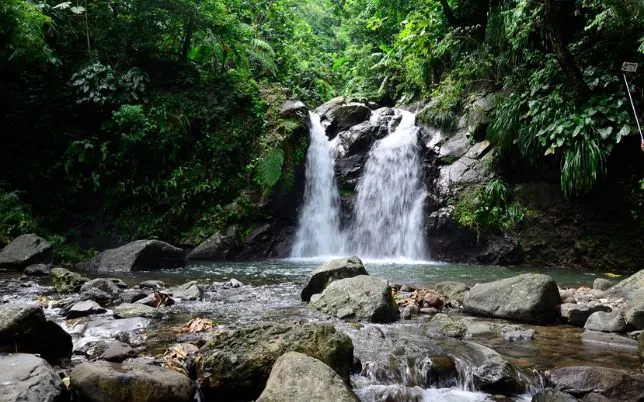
[[331, 271], [23, 328], [616, 385], [28, 378], [235, 365], [141, 255], [339, 114], [528, 298], [111, 382], [26, 250], [297, 377], [219, 246]]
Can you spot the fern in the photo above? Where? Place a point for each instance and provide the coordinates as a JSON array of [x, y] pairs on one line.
[[505, 123], [582, 165], [270, 167], [288, 126]]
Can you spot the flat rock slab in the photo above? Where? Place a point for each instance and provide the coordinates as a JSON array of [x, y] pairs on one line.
[[26, 250], [113, 382], [130, 310], [84, 308], [330, 271], [612, 341], [616, 385], [28, 378]]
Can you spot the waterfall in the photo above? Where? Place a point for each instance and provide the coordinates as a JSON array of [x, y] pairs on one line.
[[318, 231], [388, 211]]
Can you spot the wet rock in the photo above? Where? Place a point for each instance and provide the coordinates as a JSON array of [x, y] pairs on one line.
[[292, 108], [156, 299], [409, 311], [444, 326], [640, 347], [117, 352], [26, 250], [602, 284], [577, 313], [527, 297], [28, 378], [233, 283], [111, 382], [616, 385], [84, 308], [344, 116], [133, 295], [66, 281], [358, 139], [552, 395], [428, 310], [516, 334], [23, 328], [124, 330], [187, 291], [610, 340], [634, 316], [595, 397], [152, 284], [629, 288], [606, 321], [217, 247], [98, 296], [141, 255], [38, 270], [297, 377], [452, 291], [128, 310], [105, 284], [330, 271], [235, 365], [491, 372], [91, 349], [361, 297]]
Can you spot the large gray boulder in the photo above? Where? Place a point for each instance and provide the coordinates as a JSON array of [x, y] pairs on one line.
[[235, 365], [66, 281], [634, 315], [339, 114], [296, 377], [28, 378], [26, 250], [187, 291], [616, 385], [141, 255], [131, 381], [577, 313], [84, 308], [361, 297], [293, 108], [23, 328], [216, 247], [105, 284], [527, 297], [606, 321], [330, 271], [491, 372], [630, 288]]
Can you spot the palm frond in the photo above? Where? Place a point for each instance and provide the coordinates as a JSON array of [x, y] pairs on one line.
[[270, 167]]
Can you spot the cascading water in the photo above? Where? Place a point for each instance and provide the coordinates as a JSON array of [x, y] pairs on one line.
[[388, 212], [318, 231]]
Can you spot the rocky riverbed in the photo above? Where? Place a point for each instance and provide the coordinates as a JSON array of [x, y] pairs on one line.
[[194, 333]]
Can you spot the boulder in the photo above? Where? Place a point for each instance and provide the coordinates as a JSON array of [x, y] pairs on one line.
[[606, 321], [26, 250], [38, 270], [452, 291], [296, 377], [348, 115], [96, 295], [105, 284], [634, 316], [629, 288], [66, 281], [117, 351], [361, 297], [152, 284], [640, 347], [616, 385], [527, 297], [577, 313], [133, 295], [552, 395], [292, 108], [235, 365], [23, 328], [103, 381], [610, 340], [129, 310], [491, 372], [84, 308], [441, 325], [358, 139], [330, 271], [141, 255], [28, 378], [187, 291], [216, 247], [602, 284]]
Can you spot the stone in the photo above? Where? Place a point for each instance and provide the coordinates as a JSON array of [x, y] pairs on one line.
[[616, 385], [117, 352], [66, 281], [552, 395], [28, 378], [38, 270], [23, 328], [140, 255], [187, 291], [161, 298], [216, 247], [609, 340], [527, 297], [133, 295], [595, 397], [513, 334], [409, 311], [152, 284], [25, 250], [128, 310], [358, 139], [361, 297], [96, 295], [330, 104], [84, 308], [577, 313], [606, 321], [235, 365], [233, 283], [602, 284], [640, 347], [443, 326], [103, 381], [452, 291], [345, 116], [332, 271], [491, 372], [628, 288], [292, 108], [634, 316], [296, 377], [105, 284]]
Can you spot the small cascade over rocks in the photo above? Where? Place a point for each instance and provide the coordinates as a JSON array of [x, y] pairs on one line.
[[318, 231]]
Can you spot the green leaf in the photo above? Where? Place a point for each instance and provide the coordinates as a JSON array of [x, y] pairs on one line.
[[270, 167], [605, 132]]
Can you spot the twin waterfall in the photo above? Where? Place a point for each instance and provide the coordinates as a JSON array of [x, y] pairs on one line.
[[388, 212]]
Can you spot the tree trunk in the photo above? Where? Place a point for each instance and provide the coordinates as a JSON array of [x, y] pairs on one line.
[[451, 19], [564, 57], [187, 40]]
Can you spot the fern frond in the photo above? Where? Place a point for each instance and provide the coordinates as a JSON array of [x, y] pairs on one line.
[[270, 167]]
